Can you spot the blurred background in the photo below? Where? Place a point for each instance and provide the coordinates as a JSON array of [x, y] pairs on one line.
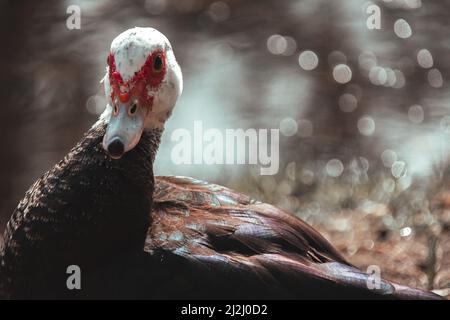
[[364, 114]]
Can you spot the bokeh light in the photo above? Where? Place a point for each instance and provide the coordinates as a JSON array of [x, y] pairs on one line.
[[288, 127], [348, 102], [334, 168], [402, 29], [308, 60], [416, 114], [425, 59], [219, 11], [366, 125], [342, 73], [435, 78]]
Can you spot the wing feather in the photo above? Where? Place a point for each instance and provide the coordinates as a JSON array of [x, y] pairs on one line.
[[228, 246]]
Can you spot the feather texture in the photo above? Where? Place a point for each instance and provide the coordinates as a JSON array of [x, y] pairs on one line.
[[84, 211], [236, 247], [134, 236]]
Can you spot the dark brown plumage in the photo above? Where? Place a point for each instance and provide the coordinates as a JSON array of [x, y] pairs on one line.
[[87, 211], [172, 238], [227, 245]]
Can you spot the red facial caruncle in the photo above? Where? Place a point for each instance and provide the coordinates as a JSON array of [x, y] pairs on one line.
[[148, 77]]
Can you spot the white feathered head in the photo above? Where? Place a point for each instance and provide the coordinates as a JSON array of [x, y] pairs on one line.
[[142, 84]]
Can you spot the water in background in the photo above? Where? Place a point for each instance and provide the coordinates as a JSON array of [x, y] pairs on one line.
[[364, 114]]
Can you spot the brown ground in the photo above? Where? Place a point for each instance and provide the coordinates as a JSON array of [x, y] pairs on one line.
[[411, 260]]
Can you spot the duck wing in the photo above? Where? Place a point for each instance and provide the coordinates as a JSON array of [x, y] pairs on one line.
[[207, 241]]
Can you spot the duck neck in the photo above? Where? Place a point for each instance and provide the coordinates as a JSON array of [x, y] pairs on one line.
[[126, 185], [134, 169], [94, 208]]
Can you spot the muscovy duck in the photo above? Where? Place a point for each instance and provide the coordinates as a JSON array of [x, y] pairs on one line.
[[136, 236]]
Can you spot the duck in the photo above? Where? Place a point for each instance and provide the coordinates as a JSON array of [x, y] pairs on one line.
[[132, 234]]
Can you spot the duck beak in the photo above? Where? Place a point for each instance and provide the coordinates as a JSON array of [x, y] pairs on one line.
[[124, 129]]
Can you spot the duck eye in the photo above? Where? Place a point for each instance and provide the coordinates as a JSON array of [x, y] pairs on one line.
[[133, 109], [157, 63], [116, 110]]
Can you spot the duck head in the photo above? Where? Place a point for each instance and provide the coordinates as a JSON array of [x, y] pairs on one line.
[[142, 84]]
